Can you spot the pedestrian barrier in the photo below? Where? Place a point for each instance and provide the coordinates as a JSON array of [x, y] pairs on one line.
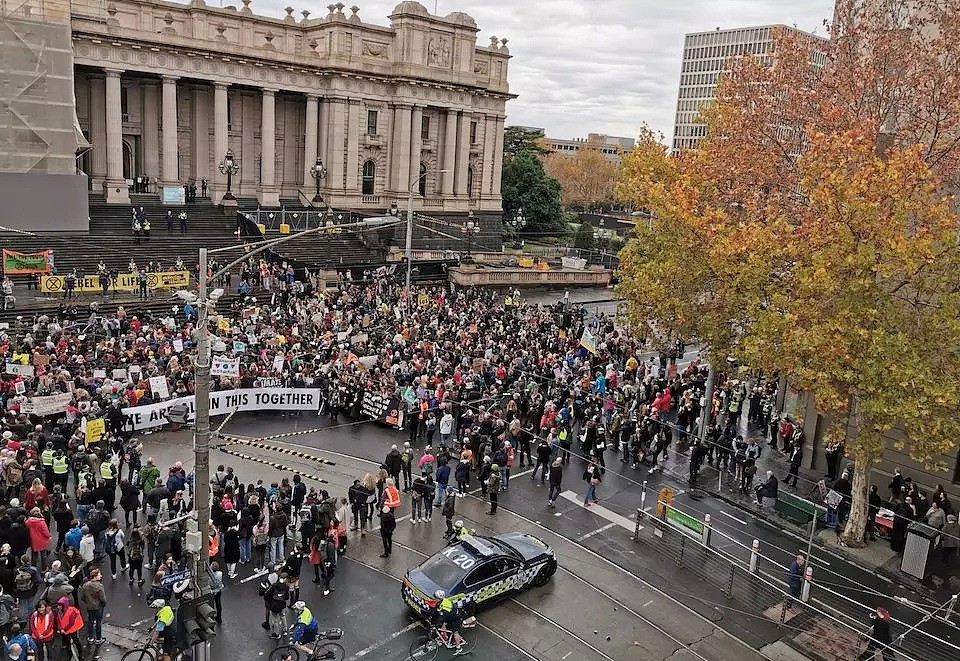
[[797, 509], [754, 585], [272, 464], [256, 443]]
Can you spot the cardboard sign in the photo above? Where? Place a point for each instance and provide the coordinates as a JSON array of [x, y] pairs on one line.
[[178, 345], [223, 324], [223, 366], [278, 364], [95, 430], [99, 374], [359, 337], [239, 347], [18, 370], [20, 387], [120, 374], [158, 386]]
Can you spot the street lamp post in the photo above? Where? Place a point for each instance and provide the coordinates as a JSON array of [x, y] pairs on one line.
[[470, 228], [319, 173], [230, 166], [517, 223]]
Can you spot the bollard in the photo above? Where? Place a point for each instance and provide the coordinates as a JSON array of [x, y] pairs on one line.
[[754, 556], [807, 579], [643, 496], [636, 530], [953, 604], [706, 530], [719, 477]]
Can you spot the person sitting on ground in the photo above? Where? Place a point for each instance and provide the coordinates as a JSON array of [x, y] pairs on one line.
[[767, 490]]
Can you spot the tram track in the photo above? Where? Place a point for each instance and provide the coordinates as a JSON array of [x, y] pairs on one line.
[[585, 549]]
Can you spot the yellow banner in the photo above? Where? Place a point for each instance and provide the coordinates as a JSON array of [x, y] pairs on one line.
[[525, 262], [53, 284]]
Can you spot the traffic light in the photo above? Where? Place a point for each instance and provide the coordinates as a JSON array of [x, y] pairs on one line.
[[207, 619], [199, 620]]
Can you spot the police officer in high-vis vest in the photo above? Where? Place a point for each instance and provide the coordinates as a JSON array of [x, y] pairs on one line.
[[108, 472], [61, 470], [46, 458]]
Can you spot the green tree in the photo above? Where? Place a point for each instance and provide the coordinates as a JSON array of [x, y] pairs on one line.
[[518, 139], [584, 237], [525, 184]]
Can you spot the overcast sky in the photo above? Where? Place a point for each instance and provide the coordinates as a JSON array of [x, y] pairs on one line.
[[601, 66]]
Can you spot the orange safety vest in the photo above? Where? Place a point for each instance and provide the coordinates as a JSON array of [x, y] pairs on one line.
[[392, 497], [70, 620], [42, 626], [214, 544]]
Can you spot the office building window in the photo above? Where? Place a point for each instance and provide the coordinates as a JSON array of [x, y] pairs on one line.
[[371, 123]]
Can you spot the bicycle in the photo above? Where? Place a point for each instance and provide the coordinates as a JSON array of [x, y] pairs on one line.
[[151, 651], [321, 651], [427, 646]]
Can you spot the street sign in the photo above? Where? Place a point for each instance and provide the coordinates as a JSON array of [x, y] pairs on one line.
[[175, 577]]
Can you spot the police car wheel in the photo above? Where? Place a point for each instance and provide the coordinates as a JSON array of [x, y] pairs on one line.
[[469, 609], [544, 575]]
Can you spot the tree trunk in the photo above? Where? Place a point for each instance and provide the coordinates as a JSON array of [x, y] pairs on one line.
[[857, 521]]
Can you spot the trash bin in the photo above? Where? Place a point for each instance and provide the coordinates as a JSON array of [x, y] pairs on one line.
[[922, 542]]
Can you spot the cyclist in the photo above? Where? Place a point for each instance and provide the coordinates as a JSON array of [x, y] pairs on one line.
[[305, 630], [163, 628], [449, 620]]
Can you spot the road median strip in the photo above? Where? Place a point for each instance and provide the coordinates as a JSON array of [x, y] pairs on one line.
[[259, 444], [272, 464]]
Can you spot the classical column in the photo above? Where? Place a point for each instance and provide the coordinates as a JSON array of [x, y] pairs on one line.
[[400, 159], [98, 130], [268, 193], [489, 145], [150, 136], [200, 135], [220, 117], [310, 142], [115, 187], [416, 145], [498, 158], [170, 174], [337, 110], [449, 152], [323, 136], [353, 146], [463, 156]]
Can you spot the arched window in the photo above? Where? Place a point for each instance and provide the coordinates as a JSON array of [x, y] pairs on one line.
[[470, 181], [369, 177], [422, 182]]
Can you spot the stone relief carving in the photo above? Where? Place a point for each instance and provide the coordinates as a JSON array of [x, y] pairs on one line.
[[374, 48], [480, 66], [438, 52]]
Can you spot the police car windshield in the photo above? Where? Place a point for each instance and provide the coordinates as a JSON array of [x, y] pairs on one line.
[[443, 571]]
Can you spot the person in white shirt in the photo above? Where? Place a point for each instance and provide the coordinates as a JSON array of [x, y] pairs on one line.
[[446, 427]]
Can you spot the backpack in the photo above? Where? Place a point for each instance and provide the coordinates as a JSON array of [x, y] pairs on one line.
[[279, 597], [24, 582], [427, 468]]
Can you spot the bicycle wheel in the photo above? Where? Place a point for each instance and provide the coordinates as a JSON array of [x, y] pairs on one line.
[[142, 654], [284, 652], [424, 648], [328, 652]]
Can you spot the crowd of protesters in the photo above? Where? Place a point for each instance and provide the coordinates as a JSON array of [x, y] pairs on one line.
[[490, 384]]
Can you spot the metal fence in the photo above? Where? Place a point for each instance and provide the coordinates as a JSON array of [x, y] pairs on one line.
[[298, 220], [742, 582]]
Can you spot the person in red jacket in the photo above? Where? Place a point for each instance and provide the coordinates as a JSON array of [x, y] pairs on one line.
[[39, 538], [43, 629], [70, 623]]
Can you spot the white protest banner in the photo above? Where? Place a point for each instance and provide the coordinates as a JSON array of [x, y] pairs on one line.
[[223, 366], [19, 370], [99, 374], [369, 361], [51, 404], [178, 345], [227, 401], [158, 386], [278, 364], [120, 374], [359, 337]]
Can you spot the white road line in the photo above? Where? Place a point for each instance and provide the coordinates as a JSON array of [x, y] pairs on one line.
[[648, 603], [731, 516], [603, 512], [380, 643], [399, 519], [595, 532]]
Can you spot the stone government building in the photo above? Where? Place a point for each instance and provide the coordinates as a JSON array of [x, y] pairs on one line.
[[164, 89]]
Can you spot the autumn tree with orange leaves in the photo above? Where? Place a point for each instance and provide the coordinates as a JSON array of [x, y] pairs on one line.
[[814, 231], [586, 177]]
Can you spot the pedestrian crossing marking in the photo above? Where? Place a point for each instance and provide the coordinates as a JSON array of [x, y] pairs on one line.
[[257, 443], [272, 464], [602, 512]]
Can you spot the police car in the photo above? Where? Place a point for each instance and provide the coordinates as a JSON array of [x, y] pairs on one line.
[[478, 571]]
